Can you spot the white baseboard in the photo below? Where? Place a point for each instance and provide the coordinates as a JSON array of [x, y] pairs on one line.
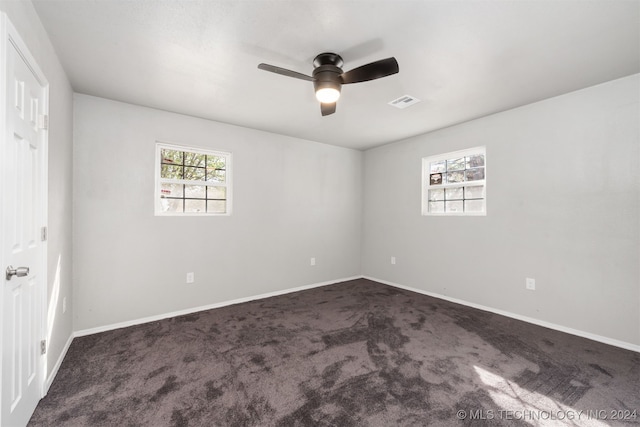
[[56, 368], [155, 318], [583, 334]]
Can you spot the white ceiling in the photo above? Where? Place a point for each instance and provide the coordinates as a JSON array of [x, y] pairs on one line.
[[463, 59]]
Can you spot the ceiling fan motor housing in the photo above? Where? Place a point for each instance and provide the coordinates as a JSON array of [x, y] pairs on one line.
[[327, 71]]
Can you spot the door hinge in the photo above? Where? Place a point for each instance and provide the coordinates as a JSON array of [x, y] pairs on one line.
[[43, 234], [43, 347], [43, 121]]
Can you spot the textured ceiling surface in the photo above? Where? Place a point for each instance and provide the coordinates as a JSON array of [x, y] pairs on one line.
[[462, 59]]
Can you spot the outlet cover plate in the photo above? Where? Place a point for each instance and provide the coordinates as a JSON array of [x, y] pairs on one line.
[[530, 284]]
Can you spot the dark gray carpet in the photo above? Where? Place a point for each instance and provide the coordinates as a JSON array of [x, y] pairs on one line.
[[354, 353]]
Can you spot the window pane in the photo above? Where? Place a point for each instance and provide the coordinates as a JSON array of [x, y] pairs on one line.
[[194, 174], [216, 175], [455, 185], [475, 174], [436, 207], [215, 162], [194, 191], [453, 206], [474, 205], [454, 193], [455, 177], [194, 206], [171, 190], [474, 192], [217, 206], [192, 181], [455, 164], [171, 205], [171, 172], [435, 179], [436, 195], [475, 161], [171, 157], [216, 192], [438, 167], [194, 159]]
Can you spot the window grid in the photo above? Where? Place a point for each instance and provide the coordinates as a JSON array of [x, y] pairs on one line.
[[455, 183], [203, 174]]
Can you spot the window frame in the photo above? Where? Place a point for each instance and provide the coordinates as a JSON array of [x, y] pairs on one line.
[[426, 182], [157, 199]]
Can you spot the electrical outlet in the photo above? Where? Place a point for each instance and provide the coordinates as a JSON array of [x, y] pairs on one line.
[[64, 305], [393, 260], [313, 261], [530, 284], [190, 278]]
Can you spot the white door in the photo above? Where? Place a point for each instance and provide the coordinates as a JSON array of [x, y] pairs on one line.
[[23, 203]]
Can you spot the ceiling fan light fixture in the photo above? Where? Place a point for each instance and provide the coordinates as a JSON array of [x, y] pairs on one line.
[[327, 95]]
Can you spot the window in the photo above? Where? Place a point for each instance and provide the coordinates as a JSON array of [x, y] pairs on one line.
[[192, 181], [455, 183]]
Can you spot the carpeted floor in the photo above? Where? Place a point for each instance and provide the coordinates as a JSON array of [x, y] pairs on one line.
[[354, 353]]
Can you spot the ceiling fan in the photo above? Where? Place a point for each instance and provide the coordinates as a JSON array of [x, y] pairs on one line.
[[328, 77]]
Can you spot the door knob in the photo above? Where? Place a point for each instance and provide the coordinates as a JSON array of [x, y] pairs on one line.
[[19, 272]]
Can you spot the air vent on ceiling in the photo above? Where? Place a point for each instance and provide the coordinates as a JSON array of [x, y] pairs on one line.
[[404, 101]]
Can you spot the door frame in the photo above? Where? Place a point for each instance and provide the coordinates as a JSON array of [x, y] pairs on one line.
[[10, 36]]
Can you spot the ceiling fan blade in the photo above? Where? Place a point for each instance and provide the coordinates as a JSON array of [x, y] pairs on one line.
[[327, 108], [371, 71], [285, 72]]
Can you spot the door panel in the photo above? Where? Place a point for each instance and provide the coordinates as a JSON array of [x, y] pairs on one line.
[[22, 217]]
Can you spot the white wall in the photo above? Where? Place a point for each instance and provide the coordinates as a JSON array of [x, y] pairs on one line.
[[24, 18], [563, 189], [292, 200]]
